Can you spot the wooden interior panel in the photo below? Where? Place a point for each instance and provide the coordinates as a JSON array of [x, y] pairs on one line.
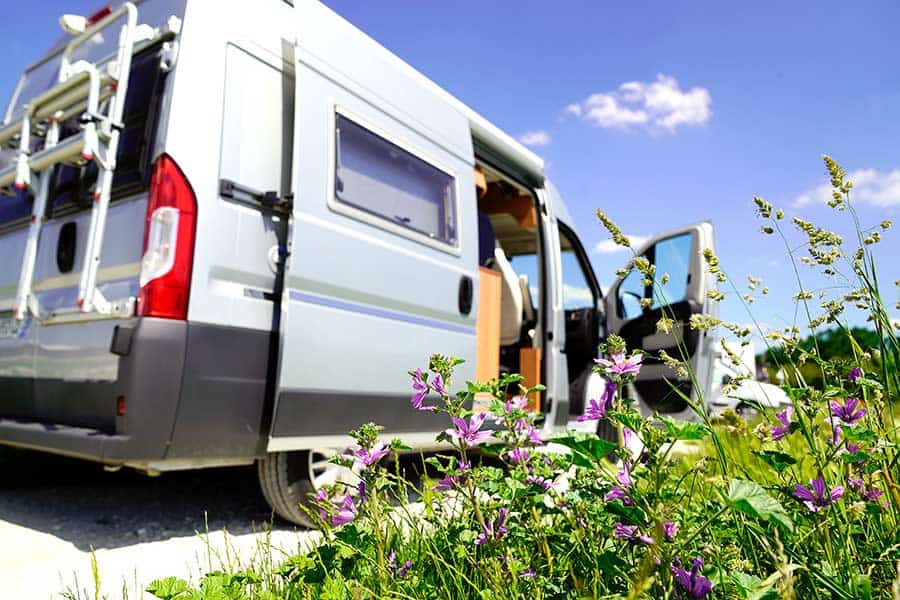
[[487, 326], [530, 369], [501, 200]]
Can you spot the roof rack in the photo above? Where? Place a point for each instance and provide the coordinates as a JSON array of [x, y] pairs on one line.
[[95, 93]]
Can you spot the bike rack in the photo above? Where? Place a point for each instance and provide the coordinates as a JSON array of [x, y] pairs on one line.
[[81, 90]]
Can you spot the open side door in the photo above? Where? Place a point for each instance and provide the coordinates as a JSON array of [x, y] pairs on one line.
[[678, 254]]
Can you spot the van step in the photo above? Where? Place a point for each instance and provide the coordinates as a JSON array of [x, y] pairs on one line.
[[61, 439]]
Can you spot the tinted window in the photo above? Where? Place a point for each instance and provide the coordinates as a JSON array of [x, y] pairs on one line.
[[631, 292], [672, 257], [73, 186], [382, 179]]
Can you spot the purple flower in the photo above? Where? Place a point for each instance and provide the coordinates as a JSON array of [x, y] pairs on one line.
[[420, 387], [392, 565], [528, 574], [469, 433], [784, 417], [321, 499], [346, 512], [361, 488], [631, 534], [670, 530], [447, 483], [835, 431], [531, 434], [541, 482], [872, 495], [516, 403], [847, 411], [438, 384], [621, 366], [451, 481], [493, 529], [617, 493], [623, 475], [692, 583], [816, 497], [597, 409], [854, 374], [518, 455], [367, 458]]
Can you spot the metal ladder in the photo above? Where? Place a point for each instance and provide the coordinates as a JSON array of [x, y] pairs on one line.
[[81, 89]]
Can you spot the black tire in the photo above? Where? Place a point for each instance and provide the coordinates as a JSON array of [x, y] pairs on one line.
[[287, 483]]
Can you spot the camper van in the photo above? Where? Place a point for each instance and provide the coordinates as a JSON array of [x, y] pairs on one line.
[[228, 233]]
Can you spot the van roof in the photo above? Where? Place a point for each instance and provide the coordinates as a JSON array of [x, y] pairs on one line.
[[491, 143]]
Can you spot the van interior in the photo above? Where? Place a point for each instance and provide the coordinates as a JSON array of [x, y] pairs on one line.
[[509, 248]]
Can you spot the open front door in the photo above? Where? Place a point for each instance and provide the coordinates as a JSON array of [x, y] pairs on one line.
[[383, 258], [633, 310]]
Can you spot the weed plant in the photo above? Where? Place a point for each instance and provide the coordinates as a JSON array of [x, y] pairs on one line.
[[802, 504]]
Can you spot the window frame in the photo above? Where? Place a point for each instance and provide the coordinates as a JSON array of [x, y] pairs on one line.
[[650, 254], [373, 218], [584, 262]]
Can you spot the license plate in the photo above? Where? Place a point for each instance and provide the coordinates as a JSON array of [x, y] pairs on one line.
[[9, 328]]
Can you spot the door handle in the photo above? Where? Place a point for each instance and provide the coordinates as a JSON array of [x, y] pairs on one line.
[[466, 290]]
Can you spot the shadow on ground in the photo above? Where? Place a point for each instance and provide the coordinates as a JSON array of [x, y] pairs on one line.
[[79, 502]]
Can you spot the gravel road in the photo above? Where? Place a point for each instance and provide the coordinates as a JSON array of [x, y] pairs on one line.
[[54, 510]]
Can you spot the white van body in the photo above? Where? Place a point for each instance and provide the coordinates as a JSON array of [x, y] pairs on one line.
[[293, 223]]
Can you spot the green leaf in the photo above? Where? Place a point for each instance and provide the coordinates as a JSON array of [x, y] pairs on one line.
[[752, 587], [777, 460], [862, 586], [685, 430], [586, 449], [753, 500], [631, 419], [167, 588], [856, 457], [858, 434]]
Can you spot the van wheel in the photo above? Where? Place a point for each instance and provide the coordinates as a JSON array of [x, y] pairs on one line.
[[289, 479]]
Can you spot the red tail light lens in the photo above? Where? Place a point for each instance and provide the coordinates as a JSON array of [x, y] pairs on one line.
[[169, 232]]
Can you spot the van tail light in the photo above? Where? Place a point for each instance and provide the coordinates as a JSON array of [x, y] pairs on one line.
[[100, 14], [169, 231]]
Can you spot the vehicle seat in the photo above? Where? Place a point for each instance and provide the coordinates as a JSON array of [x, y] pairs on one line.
[[510, 300], [528, 313]]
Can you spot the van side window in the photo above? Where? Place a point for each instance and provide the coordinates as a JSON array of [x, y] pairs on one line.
[[376, 176]]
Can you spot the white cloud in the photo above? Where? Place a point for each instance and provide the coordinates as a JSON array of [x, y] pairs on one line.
[[608, 246], [535, 138], [658, 105], [870, 186]]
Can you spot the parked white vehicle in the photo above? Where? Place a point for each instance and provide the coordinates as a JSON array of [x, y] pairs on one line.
[[229, 232]]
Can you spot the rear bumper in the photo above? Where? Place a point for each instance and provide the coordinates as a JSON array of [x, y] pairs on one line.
[[193, 394]]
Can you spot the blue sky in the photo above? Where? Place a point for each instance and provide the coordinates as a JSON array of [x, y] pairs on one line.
[[721, 101]]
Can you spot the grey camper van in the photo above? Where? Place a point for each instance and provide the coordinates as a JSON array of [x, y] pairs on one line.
[[227, 233]]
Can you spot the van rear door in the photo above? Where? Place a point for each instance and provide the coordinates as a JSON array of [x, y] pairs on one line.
[[383, 248], [633, 310]]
